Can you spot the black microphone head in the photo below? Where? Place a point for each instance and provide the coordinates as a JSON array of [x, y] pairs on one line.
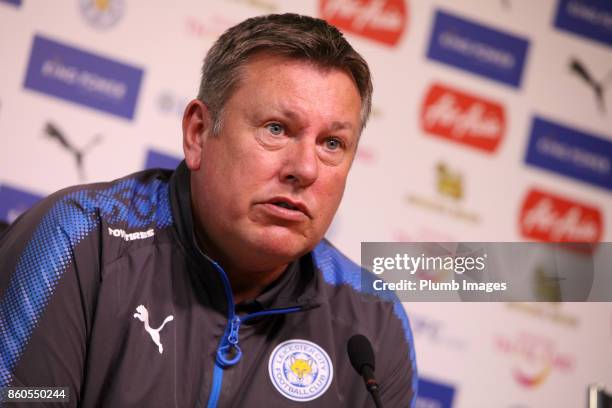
[[360, 352]]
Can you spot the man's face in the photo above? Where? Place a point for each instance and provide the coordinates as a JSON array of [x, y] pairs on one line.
[[269, 184]]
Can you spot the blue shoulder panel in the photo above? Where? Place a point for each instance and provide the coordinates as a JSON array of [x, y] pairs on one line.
[[337, 269], [49, 252]]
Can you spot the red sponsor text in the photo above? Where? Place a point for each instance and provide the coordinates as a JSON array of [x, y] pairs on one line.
[[383, 21], [463, 118], [550, 218]]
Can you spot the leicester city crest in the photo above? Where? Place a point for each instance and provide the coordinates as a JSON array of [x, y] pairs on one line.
[[300, 370], [102, 14]]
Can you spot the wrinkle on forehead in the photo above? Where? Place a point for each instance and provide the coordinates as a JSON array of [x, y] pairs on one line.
[[248, 73], [299, 92]]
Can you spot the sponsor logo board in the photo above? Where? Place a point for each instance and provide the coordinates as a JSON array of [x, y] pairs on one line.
[[570, 152], [156, 159], [552, 312], [597, 85], [551, 218], [80, 76], [477, 48], [434, 394], [382, 21], [210, 26], [79, 153], [463, 118], [13, 2], [435, 331], [169, 102], [449, 185], [534, 358], [591, 19], [15, 201], [102, 14]]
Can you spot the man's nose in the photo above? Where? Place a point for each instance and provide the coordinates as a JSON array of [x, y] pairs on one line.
[[301, 163]]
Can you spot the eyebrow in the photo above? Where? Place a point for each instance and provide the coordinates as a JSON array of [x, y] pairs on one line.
[[341, 126], [335, 126]]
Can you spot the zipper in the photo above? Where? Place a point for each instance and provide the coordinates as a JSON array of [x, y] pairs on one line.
[[228, 351], [215, 390]]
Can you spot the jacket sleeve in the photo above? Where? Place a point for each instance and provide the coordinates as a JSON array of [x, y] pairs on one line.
[[398, 376], [49, 268]]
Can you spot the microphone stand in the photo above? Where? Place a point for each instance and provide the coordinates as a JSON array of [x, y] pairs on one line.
[[372, 385]]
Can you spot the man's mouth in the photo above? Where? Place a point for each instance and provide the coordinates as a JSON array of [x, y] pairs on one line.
[[287, 204]]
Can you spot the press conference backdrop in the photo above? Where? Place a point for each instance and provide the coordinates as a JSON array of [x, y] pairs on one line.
[[492, 121]]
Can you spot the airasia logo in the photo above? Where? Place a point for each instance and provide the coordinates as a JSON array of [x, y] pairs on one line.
[[380, 20], [550, 218], [463, 118]]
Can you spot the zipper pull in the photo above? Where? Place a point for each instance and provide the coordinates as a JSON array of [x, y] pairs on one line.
[[234, 329], [230, 345]]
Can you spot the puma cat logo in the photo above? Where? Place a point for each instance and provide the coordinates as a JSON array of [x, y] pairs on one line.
[[143, 315]]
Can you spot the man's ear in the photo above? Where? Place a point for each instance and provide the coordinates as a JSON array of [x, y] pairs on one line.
[[197, 126]]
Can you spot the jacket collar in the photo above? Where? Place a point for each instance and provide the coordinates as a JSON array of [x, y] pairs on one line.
[[299, 285]]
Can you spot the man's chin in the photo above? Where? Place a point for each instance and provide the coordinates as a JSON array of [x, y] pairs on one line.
[[282, 248]]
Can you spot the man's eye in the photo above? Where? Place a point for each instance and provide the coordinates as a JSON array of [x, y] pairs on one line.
[[275, 128], [333, 144]]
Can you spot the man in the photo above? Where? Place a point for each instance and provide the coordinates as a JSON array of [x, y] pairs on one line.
[[212, 285], [3, 227]]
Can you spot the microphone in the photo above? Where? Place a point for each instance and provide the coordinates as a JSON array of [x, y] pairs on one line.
[[362, 359]]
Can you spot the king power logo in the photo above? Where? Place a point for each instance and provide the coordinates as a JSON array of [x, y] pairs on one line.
[[550, 218], [463, 118], [14, 201], [591, 19], [383, 21], [477, 48]]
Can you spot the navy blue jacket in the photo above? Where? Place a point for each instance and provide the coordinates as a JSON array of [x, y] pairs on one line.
[[103, 290]]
